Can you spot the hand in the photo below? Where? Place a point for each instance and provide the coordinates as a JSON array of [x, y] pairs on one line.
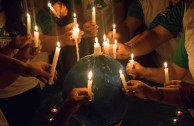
[[123, 51], [61, 9], [90, 28], [40, 70], [21, 41], [137, 71], [176, 84], [139, 89], [110, 36]]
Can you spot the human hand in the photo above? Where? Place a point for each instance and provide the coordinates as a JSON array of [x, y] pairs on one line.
[[139, 89], [110, 36], [61, 9], [176, 84], [40, 70], [123, 51], [90, 28], [137, 71], [21, 41]]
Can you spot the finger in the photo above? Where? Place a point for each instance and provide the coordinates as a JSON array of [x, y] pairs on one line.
[[42, 79]]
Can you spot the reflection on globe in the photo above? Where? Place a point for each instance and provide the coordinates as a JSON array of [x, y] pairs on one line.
[[109, 103]]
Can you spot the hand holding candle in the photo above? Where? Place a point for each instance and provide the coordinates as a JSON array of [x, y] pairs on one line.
[[28, 24], [53, 10], [90, 93], [54, 64], [122, 77], [166, 72], [36, 37]]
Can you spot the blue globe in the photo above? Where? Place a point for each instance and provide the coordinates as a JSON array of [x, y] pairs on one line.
[[109, 103]]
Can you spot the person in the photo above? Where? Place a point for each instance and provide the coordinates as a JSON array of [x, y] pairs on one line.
[[175, 92]]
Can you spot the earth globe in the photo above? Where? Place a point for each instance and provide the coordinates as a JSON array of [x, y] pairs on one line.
[[109, 103]]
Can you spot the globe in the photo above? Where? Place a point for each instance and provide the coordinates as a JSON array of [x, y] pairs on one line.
[[109, 103]]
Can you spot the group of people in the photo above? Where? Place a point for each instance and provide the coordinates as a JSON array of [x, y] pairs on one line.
[[25, 68]]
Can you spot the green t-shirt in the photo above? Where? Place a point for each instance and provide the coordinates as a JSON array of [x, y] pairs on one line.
[[135, 10], [180, 57], [45, 21], [172, 21]]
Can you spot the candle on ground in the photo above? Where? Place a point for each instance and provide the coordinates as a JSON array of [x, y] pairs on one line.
[[166, 72], [122, 77], [28, 24], [36, 37], [97, 47], [53, 10], [105, 45], [54, 63]]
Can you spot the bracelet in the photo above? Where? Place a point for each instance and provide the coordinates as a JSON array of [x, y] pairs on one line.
[[160, 94]]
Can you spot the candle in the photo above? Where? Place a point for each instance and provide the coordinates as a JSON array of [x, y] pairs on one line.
[[166, 72], [97, 47], [76, 31], [105, 45], [93, 15], [53, 10], [131, 62], [54, 63], [36, 37], [115, 50], [74, 18], [114, 32], [122, 77], [28, 24], [90, 84]]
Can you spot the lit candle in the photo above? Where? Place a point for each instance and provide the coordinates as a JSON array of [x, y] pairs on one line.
[[28, 24], [166, 72], [114, 32], [131, 62], [123, 80], [105, 45], [36, 37], [76, 31], [53, 10], [54, 63], [90, 93], [97, 47], [115, 50], [74, 18], [93, 15]]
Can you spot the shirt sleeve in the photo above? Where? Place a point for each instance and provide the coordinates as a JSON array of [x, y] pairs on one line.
[[171, 20], [45, 21], [135, 10], [180, 57]]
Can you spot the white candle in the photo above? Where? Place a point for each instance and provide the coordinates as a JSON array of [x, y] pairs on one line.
[[76, 31], [97, 47], [36, 37], [131, 62], [115, 50], [90, 84], [28, 24], [114, 32], [105, 45], [123, 80], [166, 72], [74, 18], [53, 10], [54, 63], [93, 15]]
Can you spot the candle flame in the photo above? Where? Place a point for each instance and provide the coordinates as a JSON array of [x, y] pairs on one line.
[[132, 56], [93, 9], [90, 75], [96, 39], [28, 15], [74, 15], [49, 4], [36, 28], [165, 64], [58, 44], [114, 26], [120, 71]]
